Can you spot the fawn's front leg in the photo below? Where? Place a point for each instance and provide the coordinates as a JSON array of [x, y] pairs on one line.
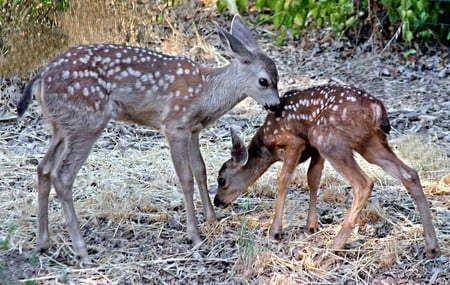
[[291, 158], [198, 167], [179, 150]]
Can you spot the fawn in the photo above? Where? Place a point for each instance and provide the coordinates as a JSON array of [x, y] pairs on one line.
[[87, 86], [326, 122]]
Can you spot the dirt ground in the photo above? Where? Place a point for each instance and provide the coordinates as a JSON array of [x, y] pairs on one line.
[[131, 209]]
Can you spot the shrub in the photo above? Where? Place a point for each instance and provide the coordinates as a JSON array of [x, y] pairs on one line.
[[416, 19]]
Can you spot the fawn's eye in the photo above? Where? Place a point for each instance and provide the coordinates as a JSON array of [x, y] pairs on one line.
[[221, 181], [263, 82]]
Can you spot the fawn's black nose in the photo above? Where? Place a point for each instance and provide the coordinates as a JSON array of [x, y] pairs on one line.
[[218, 203], [275, 109]]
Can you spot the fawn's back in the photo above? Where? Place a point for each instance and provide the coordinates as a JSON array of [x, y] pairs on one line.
[[120, 82], [327, 115], [104, 81]]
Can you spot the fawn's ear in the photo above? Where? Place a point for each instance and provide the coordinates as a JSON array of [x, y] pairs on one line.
[[239, 152], [234, 46], [243, 34]]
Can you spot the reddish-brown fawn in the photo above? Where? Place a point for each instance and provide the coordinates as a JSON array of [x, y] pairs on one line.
[[327, 122], [87, 86]]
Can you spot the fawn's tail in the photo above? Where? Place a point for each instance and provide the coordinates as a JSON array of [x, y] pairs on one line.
[[381, 116], [26, 97]]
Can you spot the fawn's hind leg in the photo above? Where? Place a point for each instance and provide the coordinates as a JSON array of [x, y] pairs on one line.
[[76, 149], [44, 186], [345, 164], [379, 153], [314, 174]]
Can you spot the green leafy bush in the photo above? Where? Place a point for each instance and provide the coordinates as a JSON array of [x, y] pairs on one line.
[[297, 15], [417, 19]]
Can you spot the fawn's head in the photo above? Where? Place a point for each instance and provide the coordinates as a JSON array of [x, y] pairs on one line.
[[239, 172], [253, 64]]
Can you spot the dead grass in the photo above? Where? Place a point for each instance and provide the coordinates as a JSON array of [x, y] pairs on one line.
[[132, 213], [149, 24]]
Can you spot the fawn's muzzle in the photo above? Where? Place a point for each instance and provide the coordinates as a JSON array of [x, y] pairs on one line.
[[275, 109], [219, 203]]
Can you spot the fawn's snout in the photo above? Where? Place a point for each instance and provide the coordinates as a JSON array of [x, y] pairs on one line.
[[274, 109], [219, 203]]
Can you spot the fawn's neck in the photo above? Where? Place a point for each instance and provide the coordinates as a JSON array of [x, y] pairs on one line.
[[260, 157], [221, 89]]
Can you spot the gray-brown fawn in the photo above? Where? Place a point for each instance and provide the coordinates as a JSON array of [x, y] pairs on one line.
[[87, 86], [327, 122]]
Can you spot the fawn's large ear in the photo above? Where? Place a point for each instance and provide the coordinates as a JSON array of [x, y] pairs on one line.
[[239, 153], [234, 45], [243, 34]]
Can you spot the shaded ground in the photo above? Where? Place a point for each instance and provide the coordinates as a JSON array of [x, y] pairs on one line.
[[131, 209]]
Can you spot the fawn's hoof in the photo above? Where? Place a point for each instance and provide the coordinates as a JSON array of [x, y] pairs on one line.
[[433, 252], [312, 230], [275, 234], [85, 262]]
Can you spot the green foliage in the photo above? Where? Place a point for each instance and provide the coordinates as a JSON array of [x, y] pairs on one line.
[[417, 18], [34, 260], [19, 13], [413, 16], [245, 241], [4, 244], [297, 15], [240, 4]]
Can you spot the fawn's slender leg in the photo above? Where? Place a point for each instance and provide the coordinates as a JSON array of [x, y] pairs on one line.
[[179, 147], [199, 170], [291, 158], [314, 173], [344, 163], [68, 163], [382, 155], [44, 185]]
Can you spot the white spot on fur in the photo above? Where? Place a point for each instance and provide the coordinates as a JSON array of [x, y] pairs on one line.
[[66, 74], [405, 174], [344, 114]]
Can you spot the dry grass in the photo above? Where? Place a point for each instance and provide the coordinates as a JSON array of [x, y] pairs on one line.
[[132, 213], [150, 24]]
